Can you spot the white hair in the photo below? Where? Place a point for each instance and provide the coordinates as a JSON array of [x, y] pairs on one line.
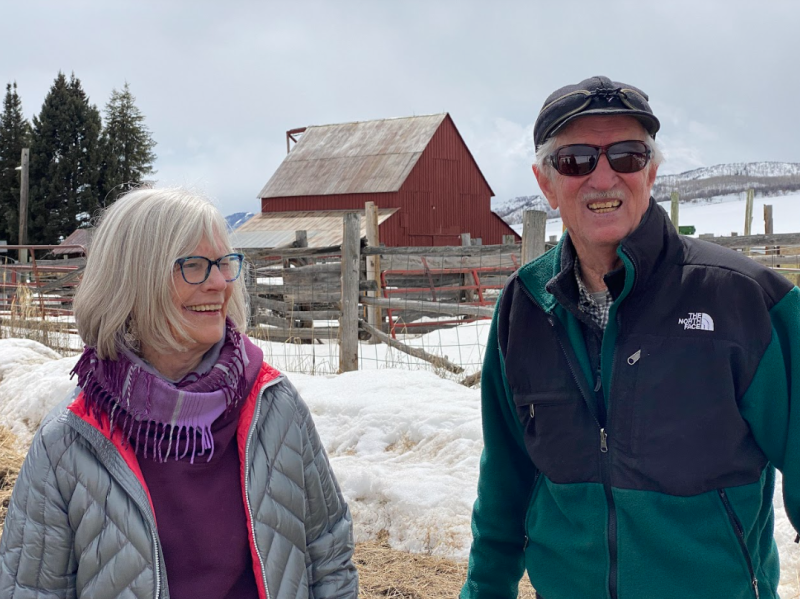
[[553, 143], [125, 298]]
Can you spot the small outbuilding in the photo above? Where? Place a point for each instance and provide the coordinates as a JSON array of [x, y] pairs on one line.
[[417, 170]]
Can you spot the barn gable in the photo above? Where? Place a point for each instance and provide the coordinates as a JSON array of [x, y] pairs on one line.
[[419, 166], [362, 157]]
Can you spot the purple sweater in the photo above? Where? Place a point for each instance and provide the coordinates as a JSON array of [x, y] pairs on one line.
[[201, 519]]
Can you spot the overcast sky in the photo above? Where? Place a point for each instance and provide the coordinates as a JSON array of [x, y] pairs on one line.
[[220, 82]]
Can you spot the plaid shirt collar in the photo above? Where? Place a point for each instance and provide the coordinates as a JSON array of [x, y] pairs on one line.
[[595, 305]]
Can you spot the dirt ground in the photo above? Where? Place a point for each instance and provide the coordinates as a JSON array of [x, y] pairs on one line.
[[384, 573]]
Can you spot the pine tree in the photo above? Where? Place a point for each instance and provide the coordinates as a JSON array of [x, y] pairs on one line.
[[65, 163], [14, 135], [127, 146]]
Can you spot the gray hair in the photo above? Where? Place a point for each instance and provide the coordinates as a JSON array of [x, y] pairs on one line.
[[125, 297], [553, 143]]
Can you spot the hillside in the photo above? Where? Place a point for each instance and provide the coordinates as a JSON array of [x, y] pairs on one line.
[[766, 178]]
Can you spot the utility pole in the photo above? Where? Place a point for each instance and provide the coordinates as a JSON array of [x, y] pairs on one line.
[[23, 204]]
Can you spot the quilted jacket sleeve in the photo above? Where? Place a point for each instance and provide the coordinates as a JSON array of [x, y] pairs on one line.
[[36, 557], [329, 527]]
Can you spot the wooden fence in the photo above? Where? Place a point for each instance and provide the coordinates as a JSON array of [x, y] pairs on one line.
[[363, 291]]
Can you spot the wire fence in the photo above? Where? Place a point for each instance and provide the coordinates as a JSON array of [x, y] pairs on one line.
[[422, 308]]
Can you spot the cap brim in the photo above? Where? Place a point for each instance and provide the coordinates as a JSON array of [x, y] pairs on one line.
[[650, 123]]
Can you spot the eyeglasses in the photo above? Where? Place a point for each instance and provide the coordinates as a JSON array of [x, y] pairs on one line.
[[195, 269], [577, 160]]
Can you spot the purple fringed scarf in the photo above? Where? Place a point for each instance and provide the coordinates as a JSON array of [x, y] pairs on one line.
[[158, 416]]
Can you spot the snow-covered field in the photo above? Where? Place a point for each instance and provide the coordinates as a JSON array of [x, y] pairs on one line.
[[724, 215], [405, 445]]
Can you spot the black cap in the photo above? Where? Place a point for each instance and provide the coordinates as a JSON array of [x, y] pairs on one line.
[[597, 95]]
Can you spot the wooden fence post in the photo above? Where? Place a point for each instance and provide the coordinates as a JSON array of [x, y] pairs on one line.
[[348, 323], [768, 225], [674, 207], [534, 223], [374, 317], [23, 203], [748, 212], [769, 229], [748, 216]]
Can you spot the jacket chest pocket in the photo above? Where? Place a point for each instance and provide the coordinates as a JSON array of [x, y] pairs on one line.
[[558, 430], [684, 412]]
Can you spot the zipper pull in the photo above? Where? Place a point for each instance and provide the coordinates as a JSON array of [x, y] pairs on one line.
[[632, 359], [531, 410], [755, 586], [599, 382], [603, 442]]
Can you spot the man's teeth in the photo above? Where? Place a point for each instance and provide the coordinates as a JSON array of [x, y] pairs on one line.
[[205, 308], [603, 207]]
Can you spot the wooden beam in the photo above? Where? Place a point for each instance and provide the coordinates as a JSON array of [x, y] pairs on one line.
[[534, 223], [768, 223], [292, 252], [756, 240], [448, 250], [280, 335], [348, 323], [675, 199], [374, 316], [429, 307], [437, 361], [23, 203]]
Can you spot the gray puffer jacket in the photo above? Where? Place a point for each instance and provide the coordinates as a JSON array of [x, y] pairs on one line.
[[80, 523]]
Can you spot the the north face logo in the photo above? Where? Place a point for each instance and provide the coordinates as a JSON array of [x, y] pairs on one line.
[[697, 320]]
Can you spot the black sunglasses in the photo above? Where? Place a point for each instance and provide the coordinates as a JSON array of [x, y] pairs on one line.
[[577, 160]]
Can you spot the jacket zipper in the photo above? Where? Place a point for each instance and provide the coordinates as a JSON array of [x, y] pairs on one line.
[[739, 530], [248, 444], [604, 457]]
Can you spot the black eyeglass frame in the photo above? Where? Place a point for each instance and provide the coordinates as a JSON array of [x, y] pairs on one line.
[[181, 261], [600, 150]]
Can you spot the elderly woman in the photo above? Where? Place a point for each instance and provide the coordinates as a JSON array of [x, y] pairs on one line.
[[183, 466]]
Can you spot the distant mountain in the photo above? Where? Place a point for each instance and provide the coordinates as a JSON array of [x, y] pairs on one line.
[[238, 219], [511, 210], [766, 178]]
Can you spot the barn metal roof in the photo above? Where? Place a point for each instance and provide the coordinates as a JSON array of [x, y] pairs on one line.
[[277, 229], [77, 237], [361, 157]]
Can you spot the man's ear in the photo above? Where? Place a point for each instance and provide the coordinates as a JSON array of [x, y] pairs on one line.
[[651, 176], [546, 185]]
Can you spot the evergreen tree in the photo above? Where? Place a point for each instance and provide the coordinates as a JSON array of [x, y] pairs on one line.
[[14, 135], [127, 146], [65, 163]]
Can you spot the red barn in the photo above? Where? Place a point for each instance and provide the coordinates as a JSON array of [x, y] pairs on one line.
[[418, 165]]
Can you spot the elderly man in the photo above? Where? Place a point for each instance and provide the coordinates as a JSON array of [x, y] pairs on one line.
[[639, 388]]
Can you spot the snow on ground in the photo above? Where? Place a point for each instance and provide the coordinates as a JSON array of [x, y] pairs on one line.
[[462, 345], [723, 215], [405, 445]]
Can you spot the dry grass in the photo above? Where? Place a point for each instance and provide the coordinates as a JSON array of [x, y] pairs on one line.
[[10, 461], [386, 573]]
